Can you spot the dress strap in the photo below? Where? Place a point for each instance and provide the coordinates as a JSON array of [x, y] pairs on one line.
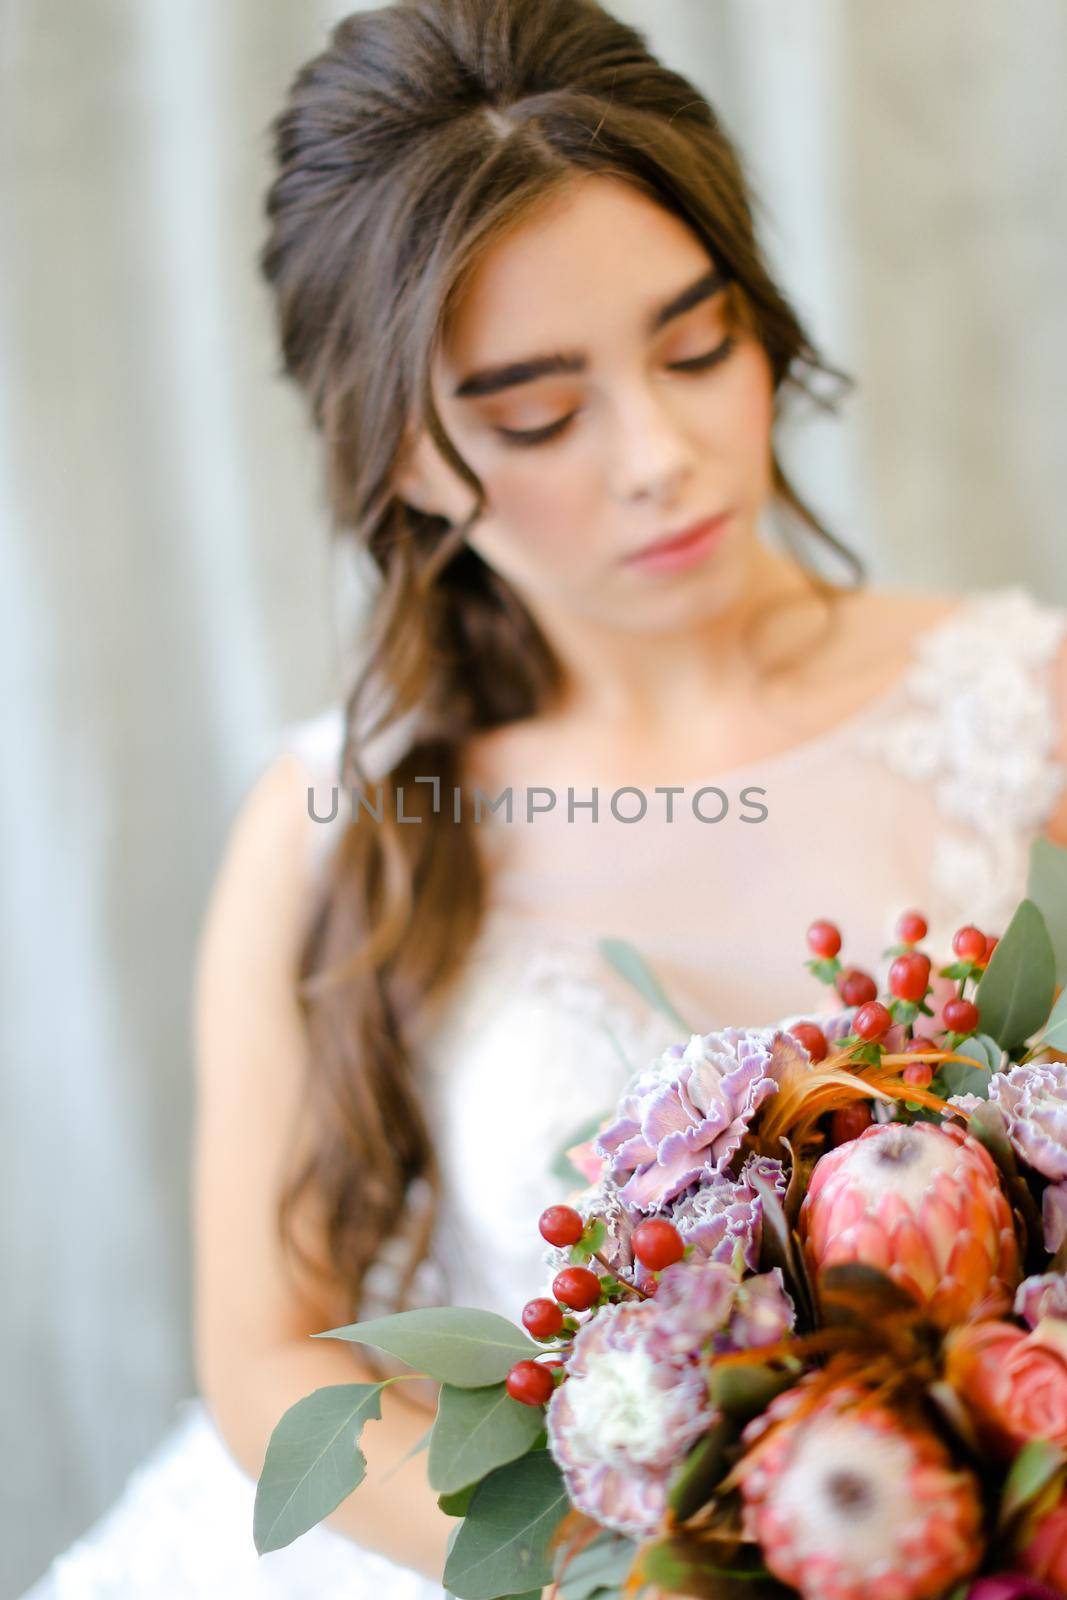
[[979, 721]]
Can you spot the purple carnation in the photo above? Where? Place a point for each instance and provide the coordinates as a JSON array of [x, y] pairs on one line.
[[623, 1418], [723, 1218], [1033, 1099], [1040, 1297], [635, 1398], [684, 1117], [706, 1308]]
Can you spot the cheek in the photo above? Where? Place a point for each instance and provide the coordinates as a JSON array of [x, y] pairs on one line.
[[739, 419], [532, 508]]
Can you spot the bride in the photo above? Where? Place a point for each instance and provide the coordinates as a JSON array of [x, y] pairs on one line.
[[516, 278]]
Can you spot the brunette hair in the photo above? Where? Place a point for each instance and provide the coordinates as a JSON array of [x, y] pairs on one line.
[[404, 150]]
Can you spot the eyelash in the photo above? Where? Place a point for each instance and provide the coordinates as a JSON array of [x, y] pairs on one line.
[[535, 436]]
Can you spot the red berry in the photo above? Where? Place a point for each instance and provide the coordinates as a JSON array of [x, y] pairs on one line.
[[529, 1383], [657, 1244], [909, 976], [919, 1074], [990, 945], [969, 943], [961, 1016], [576, 1287], [561, 1225], [918, 1042], [824, 939], [850, 1121], [872, 1021], [542, 1319], [912, 927], [811, 1036], [856, 987]]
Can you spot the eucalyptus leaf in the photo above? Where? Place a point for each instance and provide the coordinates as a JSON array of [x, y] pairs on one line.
[[457, 1504], [1055, 1035], [601, 1565], [630, 964], [476, 1430], [503, 1543], [1047, 888], [956, 1077], [454, 1344], [1015, 992], [313, 1461]]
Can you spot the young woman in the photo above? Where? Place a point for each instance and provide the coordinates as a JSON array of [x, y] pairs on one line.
[[516, 277]]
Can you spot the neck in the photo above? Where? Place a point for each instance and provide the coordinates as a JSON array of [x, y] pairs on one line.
[[656, 681]]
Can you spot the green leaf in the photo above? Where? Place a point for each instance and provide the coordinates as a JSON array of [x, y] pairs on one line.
[[1033, 1469], [1047, 888], [630, 964], [603, 1563], [503, 1544], [592, 1240], [454, 1344], [1015, 992], [475, 1431], [743, 1391], [313, 1462], [703, 1469], [680, 1566], [458, 1504], [955, 1077], [1055, 1035]]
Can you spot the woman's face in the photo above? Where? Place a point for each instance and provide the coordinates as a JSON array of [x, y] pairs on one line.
[[592, 378]]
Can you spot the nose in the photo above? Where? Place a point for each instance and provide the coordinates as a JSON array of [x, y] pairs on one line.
[[651, 457]]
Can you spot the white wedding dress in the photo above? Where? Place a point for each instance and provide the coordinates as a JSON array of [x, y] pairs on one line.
[[928, 797]]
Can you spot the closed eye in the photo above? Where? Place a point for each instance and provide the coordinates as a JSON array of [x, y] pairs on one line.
[[710, 358], [536, 435], [552, 430]]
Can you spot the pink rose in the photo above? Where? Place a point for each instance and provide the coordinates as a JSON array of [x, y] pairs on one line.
[[1046, 1554], [1013, 1383]]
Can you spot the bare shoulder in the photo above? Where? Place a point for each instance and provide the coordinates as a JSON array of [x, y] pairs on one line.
[[266, 865], [251, 1060]]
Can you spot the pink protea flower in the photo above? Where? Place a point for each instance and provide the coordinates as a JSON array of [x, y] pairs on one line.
[[684, 1117], [846, 1500], [923, 1204], [1013, 1383], [1045, 1555]]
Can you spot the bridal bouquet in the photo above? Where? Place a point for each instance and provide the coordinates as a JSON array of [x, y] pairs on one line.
[[806, 1330]]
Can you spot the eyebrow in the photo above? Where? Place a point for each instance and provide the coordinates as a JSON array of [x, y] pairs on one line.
[[491, 380]]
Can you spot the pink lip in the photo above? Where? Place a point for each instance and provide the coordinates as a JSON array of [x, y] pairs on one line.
[[680, 550]]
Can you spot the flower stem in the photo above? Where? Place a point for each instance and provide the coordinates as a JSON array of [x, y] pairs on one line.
[[610, 1270]]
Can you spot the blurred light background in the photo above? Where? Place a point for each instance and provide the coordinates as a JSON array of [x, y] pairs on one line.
[[167, 599]]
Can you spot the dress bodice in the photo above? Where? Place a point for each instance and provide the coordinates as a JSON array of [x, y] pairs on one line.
[[928, 797]]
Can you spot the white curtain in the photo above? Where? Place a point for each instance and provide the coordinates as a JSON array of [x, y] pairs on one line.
[[166, 596]]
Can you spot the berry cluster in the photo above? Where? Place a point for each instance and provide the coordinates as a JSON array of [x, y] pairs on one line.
[[656, 1244], [909, 985]]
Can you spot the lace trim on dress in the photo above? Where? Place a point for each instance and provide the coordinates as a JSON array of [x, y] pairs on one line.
[[980, 725]]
